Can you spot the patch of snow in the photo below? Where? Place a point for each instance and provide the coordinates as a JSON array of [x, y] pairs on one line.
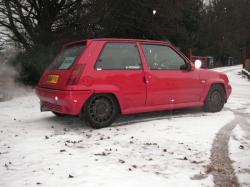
[[167, 150], [239, 152], [240, 97], [41, 148], [239, 102]]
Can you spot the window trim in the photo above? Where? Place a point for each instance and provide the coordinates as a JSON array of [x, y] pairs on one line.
[[118, 42], [169, 46]]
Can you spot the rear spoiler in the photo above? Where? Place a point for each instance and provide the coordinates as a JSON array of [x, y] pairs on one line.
[[85, 42]]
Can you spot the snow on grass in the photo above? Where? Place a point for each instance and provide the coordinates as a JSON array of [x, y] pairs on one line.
[[39, 148], [239, 152], [163, 150], [240, 97], [239, 102], [228, 69]]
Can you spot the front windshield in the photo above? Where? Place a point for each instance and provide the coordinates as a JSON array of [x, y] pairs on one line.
[[67, 57]]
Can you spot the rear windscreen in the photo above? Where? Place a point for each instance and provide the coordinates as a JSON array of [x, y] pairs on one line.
[[67, 57]]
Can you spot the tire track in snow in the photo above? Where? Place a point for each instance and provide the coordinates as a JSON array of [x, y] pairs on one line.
[[244, 124], [221, 166]]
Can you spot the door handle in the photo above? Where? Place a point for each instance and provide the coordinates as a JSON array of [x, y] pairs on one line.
[[146, 81]]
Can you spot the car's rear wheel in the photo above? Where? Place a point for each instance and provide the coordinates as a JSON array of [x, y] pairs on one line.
[[100, 110], [215, 99]]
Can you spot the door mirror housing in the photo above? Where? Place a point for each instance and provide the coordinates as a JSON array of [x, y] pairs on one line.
[[187, 67]]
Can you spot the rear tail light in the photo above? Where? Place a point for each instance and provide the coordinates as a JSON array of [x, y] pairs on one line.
[[76, 74]]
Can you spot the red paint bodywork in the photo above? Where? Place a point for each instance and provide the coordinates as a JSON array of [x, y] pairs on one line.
[[136, 91]]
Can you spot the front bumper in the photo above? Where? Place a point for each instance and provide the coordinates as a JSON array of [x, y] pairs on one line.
[[228, 90], [62, 101]]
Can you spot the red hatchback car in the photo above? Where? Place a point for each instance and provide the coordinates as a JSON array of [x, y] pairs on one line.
[[101, 78]]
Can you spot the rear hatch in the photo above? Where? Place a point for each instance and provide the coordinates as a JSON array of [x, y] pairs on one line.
[[64, 70]]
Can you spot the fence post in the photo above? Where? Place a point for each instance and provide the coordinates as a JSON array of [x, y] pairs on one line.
[[190, 53]]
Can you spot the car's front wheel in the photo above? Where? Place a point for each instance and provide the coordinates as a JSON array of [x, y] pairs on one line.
[[100, 110], [215, 99]]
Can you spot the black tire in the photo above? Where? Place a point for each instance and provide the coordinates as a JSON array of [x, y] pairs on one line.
[[100, 110], [59, 114], [215, 99]]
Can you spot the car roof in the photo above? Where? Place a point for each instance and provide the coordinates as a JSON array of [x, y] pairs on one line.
[[128, 40], [117, 40]]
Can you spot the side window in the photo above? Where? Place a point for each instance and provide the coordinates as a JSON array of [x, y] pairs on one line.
[[119, 56], [162, 58]]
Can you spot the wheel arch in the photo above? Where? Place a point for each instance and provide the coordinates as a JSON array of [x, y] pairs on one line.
[[92, 118], [211, 83], [117, 97]]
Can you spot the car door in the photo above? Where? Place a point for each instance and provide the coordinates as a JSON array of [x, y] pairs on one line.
[[119, 69], [168, 80]]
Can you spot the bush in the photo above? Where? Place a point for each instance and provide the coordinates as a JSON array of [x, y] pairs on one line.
[[31, 64]]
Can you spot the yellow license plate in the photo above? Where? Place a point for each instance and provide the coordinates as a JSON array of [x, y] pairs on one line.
[[53, 79]]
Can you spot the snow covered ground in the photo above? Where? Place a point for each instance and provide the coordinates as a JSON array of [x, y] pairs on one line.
[[240, 151], [160, 149]]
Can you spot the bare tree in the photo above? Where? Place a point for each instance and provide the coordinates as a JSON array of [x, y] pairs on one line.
[[38, 22]]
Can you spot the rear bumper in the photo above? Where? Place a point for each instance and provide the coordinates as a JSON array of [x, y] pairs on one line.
[[62, 101]]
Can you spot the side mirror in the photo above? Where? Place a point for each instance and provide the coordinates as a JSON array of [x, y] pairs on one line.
[[188, 67], [197, 64]]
